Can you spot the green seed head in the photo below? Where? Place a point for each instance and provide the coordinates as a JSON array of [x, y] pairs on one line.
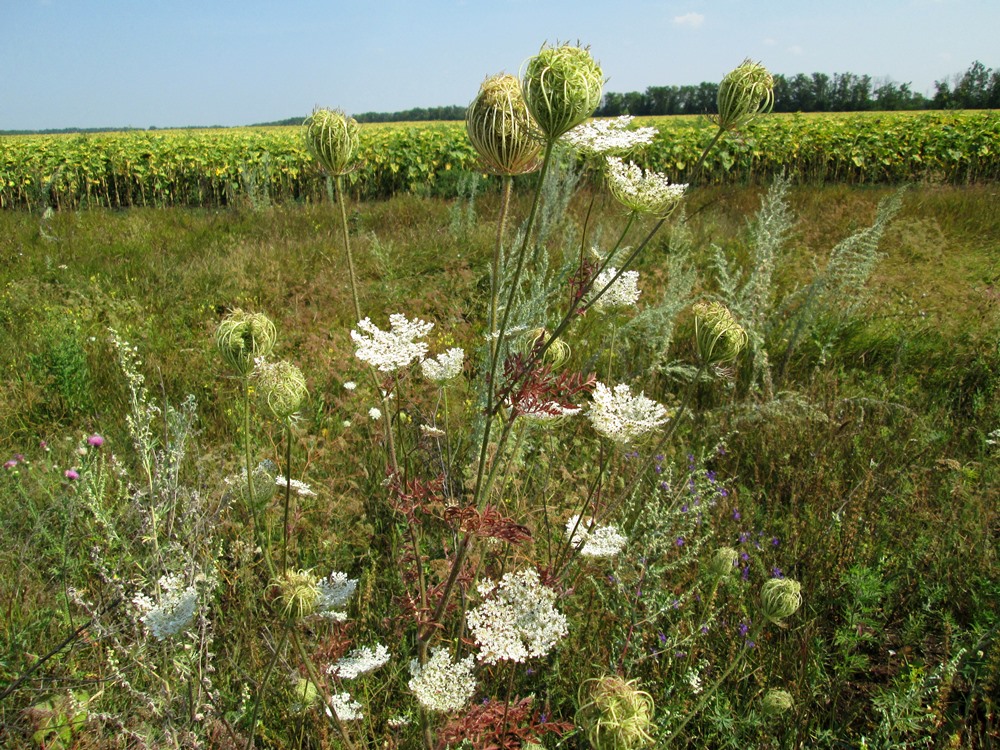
[[501, 129], [281, 385], [780, 598], [717, 334], [305, 695], [332, 139], [262, 480], [723, 562], [562, 88], [744, 93], [299, 593], [242, 337], [558, 351], [776, 702], [614, 714]]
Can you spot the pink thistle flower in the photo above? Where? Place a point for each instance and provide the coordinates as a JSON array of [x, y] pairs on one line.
[[71, 474], [95, 440]]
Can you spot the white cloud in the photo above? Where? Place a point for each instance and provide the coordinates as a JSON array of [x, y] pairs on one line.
[[795, 49], [769, 42], [694, 20]]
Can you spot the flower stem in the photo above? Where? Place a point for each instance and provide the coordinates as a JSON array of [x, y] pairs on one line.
[[339, 182]]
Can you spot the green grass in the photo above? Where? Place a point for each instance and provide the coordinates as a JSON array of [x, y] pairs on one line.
[[871, 467]]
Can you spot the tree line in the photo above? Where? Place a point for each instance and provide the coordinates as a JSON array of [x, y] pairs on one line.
[[977, 88]]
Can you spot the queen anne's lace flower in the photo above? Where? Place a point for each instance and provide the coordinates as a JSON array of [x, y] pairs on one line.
[[445, 366], [641, 191], [594, 541], [624, 292], [359, 661], [441, 684], [175, 610], [345, 707], [517, 620], [622, 417], [333, 595], [392, 349], [608, 136], [299, 488]]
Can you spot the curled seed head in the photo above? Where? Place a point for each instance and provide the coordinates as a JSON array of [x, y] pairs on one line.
[[776, 702], [281, 385], [615, 714], [501, 129], [299, 593], [558, 351], [744, 93], [723, 562], [780, 598], [242, 337], [717, 334], [562, 87], [332, 138]]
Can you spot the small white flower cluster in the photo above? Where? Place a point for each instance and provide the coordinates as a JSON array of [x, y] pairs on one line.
[[431, 431], [641, 191], [517, 620], [299, 488], [359, 661], [624, 292], [591, 541], [333, 595], [605, 136], [374, 414], [442, 684], [445, 366], [345, 707], [392, 349], [175, 610], [622, 417]]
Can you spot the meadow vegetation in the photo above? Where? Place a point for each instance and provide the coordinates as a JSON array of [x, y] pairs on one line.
[[789, 540]]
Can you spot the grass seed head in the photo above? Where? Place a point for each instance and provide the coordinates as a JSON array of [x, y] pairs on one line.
[[501, 129], [332, 138], [744, 93], [562, 87]]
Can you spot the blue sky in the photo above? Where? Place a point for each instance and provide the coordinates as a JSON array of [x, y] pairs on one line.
[[141, 63]]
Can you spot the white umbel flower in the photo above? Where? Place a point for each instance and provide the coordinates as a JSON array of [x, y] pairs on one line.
[[374, 414], [299, 488], [622, 417], [392, 349], [624, 292], [594, 541], [517, 620], [641, 191], [333, 595], [608, 136], [445, 366], [345, 707], [359, 661], [442, 684]]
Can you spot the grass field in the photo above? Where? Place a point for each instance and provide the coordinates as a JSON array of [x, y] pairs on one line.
[[857, 454]]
